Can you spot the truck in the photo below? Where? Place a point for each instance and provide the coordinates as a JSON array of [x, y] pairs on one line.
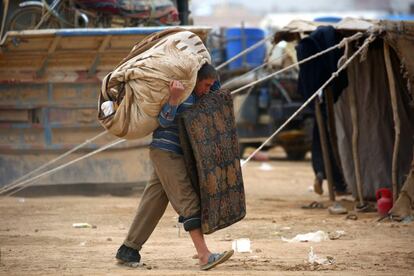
[[49, 85]]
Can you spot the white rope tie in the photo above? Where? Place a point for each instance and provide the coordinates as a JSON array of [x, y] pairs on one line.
[[339, 45], [16, 182], [247, 50], [319, 91], [29, 181], [253, 70]]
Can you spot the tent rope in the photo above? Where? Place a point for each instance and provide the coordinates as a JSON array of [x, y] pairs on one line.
[[318, 92], [16, 182], [253, 70], [28, 182], [341, 44], [247, 50]]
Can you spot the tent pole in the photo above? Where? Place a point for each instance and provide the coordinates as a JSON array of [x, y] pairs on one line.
[[332, 127], [397, 122], [325, 153], [355, 134]]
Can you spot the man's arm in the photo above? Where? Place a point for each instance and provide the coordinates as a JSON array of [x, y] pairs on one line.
[[169, 110]]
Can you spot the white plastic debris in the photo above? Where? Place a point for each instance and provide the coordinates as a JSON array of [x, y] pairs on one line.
[[242, 161], [265, 167], [21, 200], [241, 245], [408, 219], [81, 225], [317, 236], [337, 234], [107, 108], [314, 259]]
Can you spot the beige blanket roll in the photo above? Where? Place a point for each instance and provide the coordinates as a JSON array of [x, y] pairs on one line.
[[140, 84]]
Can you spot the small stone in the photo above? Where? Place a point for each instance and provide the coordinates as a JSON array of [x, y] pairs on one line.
[[94, 226], [109, 239], [258, 250], [36, 230]]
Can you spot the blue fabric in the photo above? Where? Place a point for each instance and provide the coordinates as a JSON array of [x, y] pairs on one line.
[[165, 137]]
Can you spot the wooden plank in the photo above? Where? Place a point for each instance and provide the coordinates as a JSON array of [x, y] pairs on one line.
[[104, 45], [14, 115], [50, 52]]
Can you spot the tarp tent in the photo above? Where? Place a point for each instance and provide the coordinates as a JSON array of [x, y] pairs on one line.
[[369, 80]]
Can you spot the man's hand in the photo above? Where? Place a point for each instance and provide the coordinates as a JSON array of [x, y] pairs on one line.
[[176, 91]]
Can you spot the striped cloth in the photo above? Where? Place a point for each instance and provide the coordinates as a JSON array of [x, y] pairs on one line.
[[165, 137]]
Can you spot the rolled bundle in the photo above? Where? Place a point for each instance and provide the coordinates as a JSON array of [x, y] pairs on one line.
[[139, 86]]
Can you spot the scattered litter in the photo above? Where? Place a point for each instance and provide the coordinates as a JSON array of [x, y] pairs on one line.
[[351, 217], [83, 225], [285, 228], [317, 236], [265, 167], [336, 235], [314, 259], [310, 189], [408, 219], [21, 200], [83, 243], [261, 156], [241, 245]]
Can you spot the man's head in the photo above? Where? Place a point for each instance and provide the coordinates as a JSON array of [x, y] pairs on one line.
[[206, 77]]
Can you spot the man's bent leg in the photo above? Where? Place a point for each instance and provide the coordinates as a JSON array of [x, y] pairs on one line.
[[153, 204], [200, 245]]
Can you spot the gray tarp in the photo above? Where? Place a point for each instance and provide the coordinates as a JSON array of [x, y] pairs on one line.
[[368, 80]]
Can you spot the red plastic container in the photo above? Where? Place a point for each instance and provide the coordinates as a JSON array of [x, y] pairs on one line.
[[384, 201]]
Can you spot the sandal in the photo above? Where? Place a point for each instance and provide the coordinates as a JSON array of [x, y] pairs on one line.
[[314, 205], [217, 258]]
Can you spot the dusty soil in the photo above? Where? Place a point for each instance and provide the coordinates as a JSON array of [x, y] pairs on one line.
[[37, 237]]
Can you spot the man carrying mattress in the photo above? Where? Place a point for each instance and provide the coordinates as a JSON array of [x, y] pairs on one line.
[[170, 181]]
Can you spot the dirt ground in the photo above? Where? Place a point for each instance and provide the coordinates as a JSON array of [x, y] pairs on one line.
[[37, 237]]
